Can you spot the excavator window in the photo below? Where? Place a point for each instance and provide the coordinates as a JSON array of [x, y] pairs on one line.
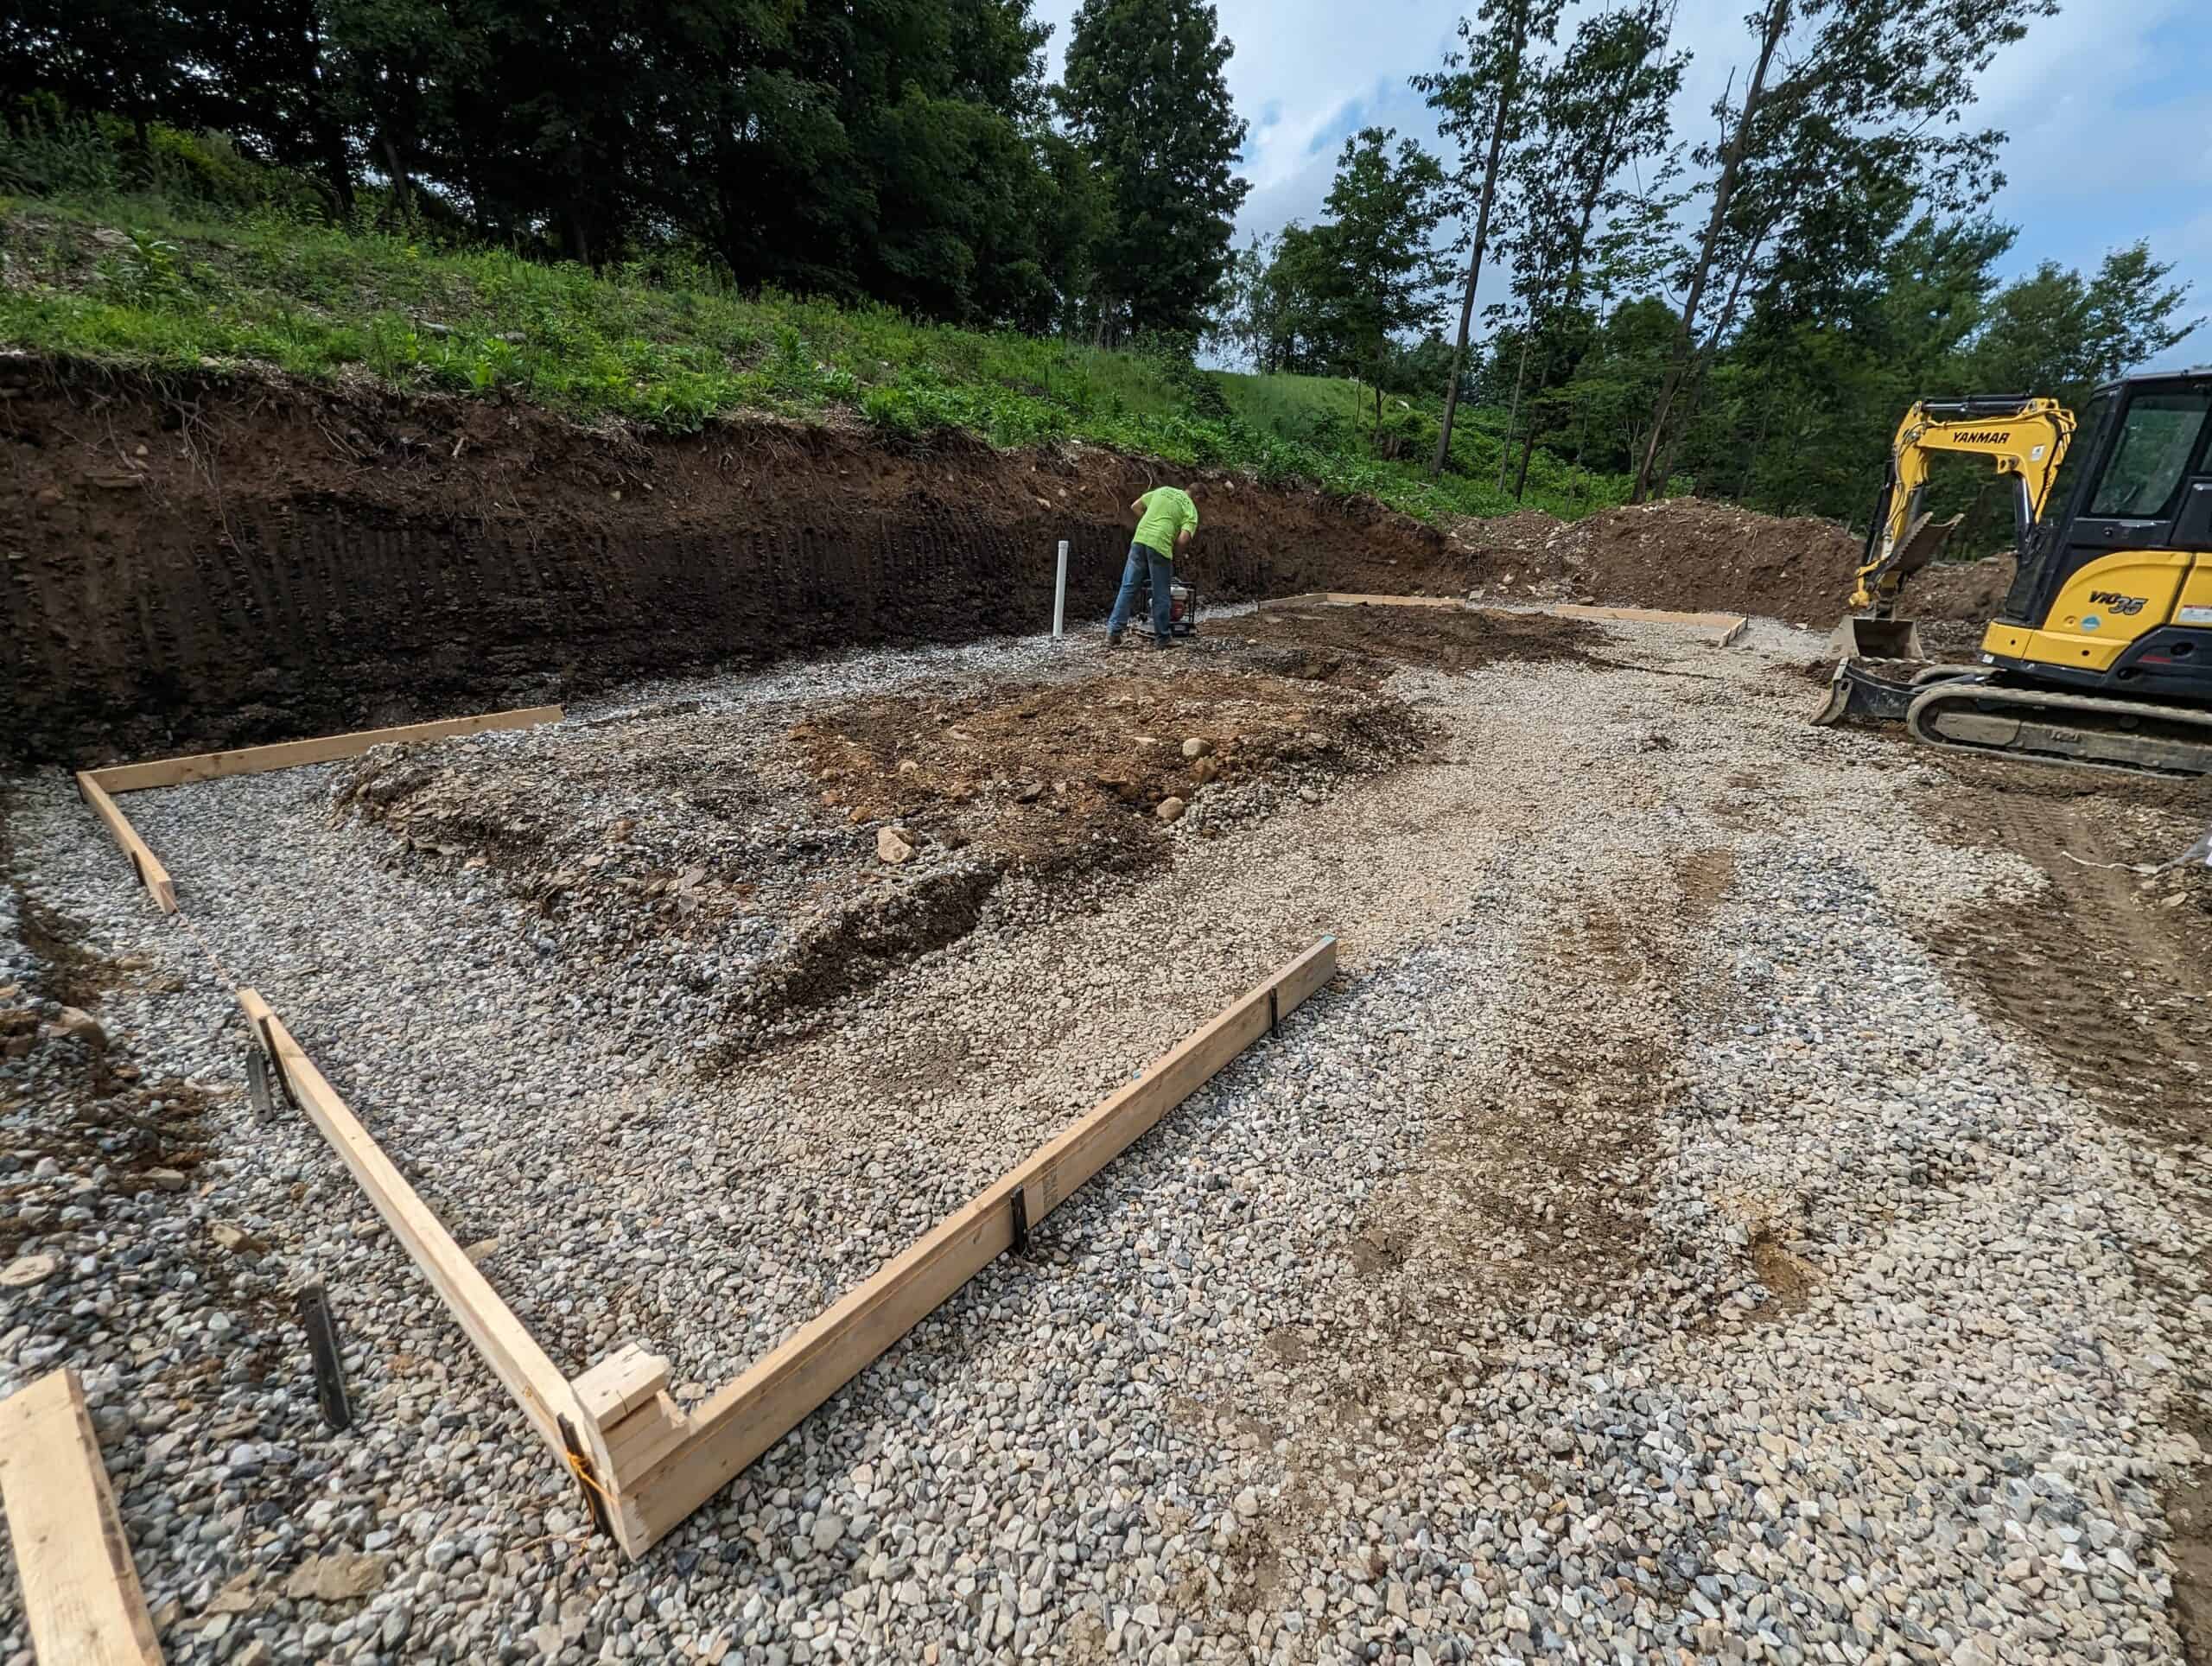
[[2150, 454]]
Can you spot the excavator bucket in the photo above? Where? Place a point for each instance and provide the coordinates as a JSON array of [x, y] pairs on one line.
[[1867, 637], [1876, 638], [1855, 690]]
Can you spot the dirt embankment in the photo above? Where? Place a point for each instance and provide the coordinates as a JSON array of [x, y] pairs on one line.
[[202, 560], [1689, 553]]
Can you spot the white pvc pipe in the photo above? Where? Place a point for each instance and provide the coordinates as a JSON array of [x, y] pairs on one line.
[[1060, 594]]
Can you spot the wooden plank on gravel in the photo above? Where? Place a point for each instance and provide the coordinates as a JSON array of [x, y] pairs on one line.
[[750, 1414], [290, 754], [512, 1353], [151, 875], [1732, 625], [1346, 599], [81, 1599]]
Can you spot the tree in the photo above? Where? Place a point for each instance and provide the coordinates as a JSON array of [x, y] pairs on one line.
[[1850, 112], [1387, 278], [1482, 94], [131, 57], [1145, 94], [2054, 333], [1601, 110]]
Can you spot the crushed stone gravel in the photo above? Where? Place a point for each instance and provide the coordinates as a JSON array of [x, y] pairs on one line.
[[1646, 1250]]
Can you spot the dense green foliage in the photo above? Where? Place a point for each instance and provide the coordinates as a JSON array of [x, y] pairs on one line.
[[1145, 98], [135, 281], [902, 151]]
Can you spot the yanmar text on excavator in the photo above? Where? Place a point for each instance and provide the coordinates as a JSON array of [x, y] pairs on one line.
[[2101, 655]]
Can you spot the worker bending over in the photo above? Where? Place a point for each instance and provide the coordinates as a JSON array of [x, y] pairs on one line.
[[1165, 520]]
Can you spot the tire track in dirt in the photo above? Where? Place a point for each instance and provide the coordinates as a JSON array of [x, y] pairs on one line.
[[2111, 981]]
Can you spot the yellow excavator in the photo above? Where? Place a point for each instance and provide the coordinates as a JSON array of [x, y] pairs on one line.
[[2101, 655]]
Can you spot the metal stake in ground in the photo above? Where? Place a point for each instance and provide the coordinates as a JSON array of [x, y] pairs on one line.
[[1060, 594], [323, 1348], [259, 1087]]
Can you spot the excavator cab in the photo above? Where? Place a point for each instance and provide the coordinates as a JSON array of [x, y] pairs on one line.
[[2113, 591]]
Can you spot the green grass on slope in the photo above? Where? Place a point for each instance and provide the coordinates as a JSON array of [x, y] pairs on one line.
[[131, 281]]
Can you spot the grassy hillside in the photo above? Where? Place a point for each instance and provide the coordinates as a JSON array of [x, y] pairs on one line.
[[134, 280]]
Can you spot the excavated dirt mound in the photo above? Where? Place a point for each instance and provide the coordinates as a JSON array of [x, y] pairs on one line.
[[785, 863], [1691, 554], [1378, 638], [206, 561], [1687, 553]]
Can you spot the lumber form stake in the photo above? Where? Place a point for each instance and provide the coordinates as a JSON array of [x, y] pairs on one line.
[[81, 1598], [668, 1464]]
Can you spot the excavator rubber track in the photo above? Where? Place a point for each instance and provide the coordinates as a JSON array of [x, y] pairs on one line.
[[1991, 719]]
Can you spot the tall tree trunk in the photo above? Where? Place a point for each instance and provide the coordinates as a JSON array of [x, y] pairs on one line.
[[1505, 97], [1529, 436], [1512, 411], [1702, 363], [403, 190], [1724, 191]]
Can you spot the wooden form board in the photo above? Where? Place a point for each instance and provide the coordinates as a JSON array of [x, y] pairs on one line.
[[750, 1414], [1730, 625], [81, 1599], [654, 1464], [1347, 599], [290, 754], [151, 875], [529, 1373]]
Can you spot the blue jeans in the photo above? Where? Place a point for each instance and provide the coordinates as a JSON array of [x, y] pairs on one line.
[[1162, 573]]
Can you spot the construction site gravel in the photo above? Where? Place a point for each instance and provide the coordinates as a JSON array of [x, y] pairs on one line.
[[1739, 1199]]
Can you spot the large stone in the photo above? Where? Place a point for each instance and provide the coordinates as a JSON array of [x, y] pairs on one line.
[[1170, 810], [891, 847], [27, 1270], [76, 1025], [235, 1238], [335, 1578], [1197, 747]]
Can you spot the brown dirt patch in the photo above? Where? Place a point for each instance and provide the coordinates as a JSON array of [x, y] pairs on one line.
[[1687, 553], [1438, 638], [701, 838], [1690, 553], [203, 561], [1055, 776], [2104, 968]]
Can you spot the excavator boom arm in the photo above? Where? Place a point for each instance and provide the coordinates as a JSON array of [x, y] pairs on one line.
[[2026, 439]]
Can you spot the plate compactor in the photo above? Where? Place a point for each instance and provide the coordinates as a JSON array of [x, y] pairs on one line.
[[1182, 606]]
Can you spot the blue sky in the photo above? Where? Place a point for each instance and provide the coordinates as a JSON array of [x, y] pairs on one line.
[[2108, 108]]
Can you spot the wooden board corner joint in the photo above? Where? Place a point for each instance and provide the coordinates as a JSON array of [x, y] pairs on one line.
[[673, 1464], [144, 864]]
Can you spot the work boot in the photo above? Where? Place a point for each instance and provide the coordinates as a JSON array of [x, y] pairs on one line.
[[1113, 639], [1160, 643]]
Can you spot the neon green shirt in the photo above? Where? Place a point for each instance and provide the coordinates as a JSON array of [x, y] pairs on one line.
[[1168, 512]]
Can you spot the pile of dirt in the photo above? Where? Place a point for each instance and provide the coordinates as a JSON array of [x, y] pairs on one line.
[[208, 560], [1060, 775], [1360, 644], [1691, 554], [1960, 591]]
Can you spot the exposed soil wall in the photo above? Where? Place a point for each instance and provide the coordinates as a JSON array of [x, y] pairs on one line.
[[204, 560]]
